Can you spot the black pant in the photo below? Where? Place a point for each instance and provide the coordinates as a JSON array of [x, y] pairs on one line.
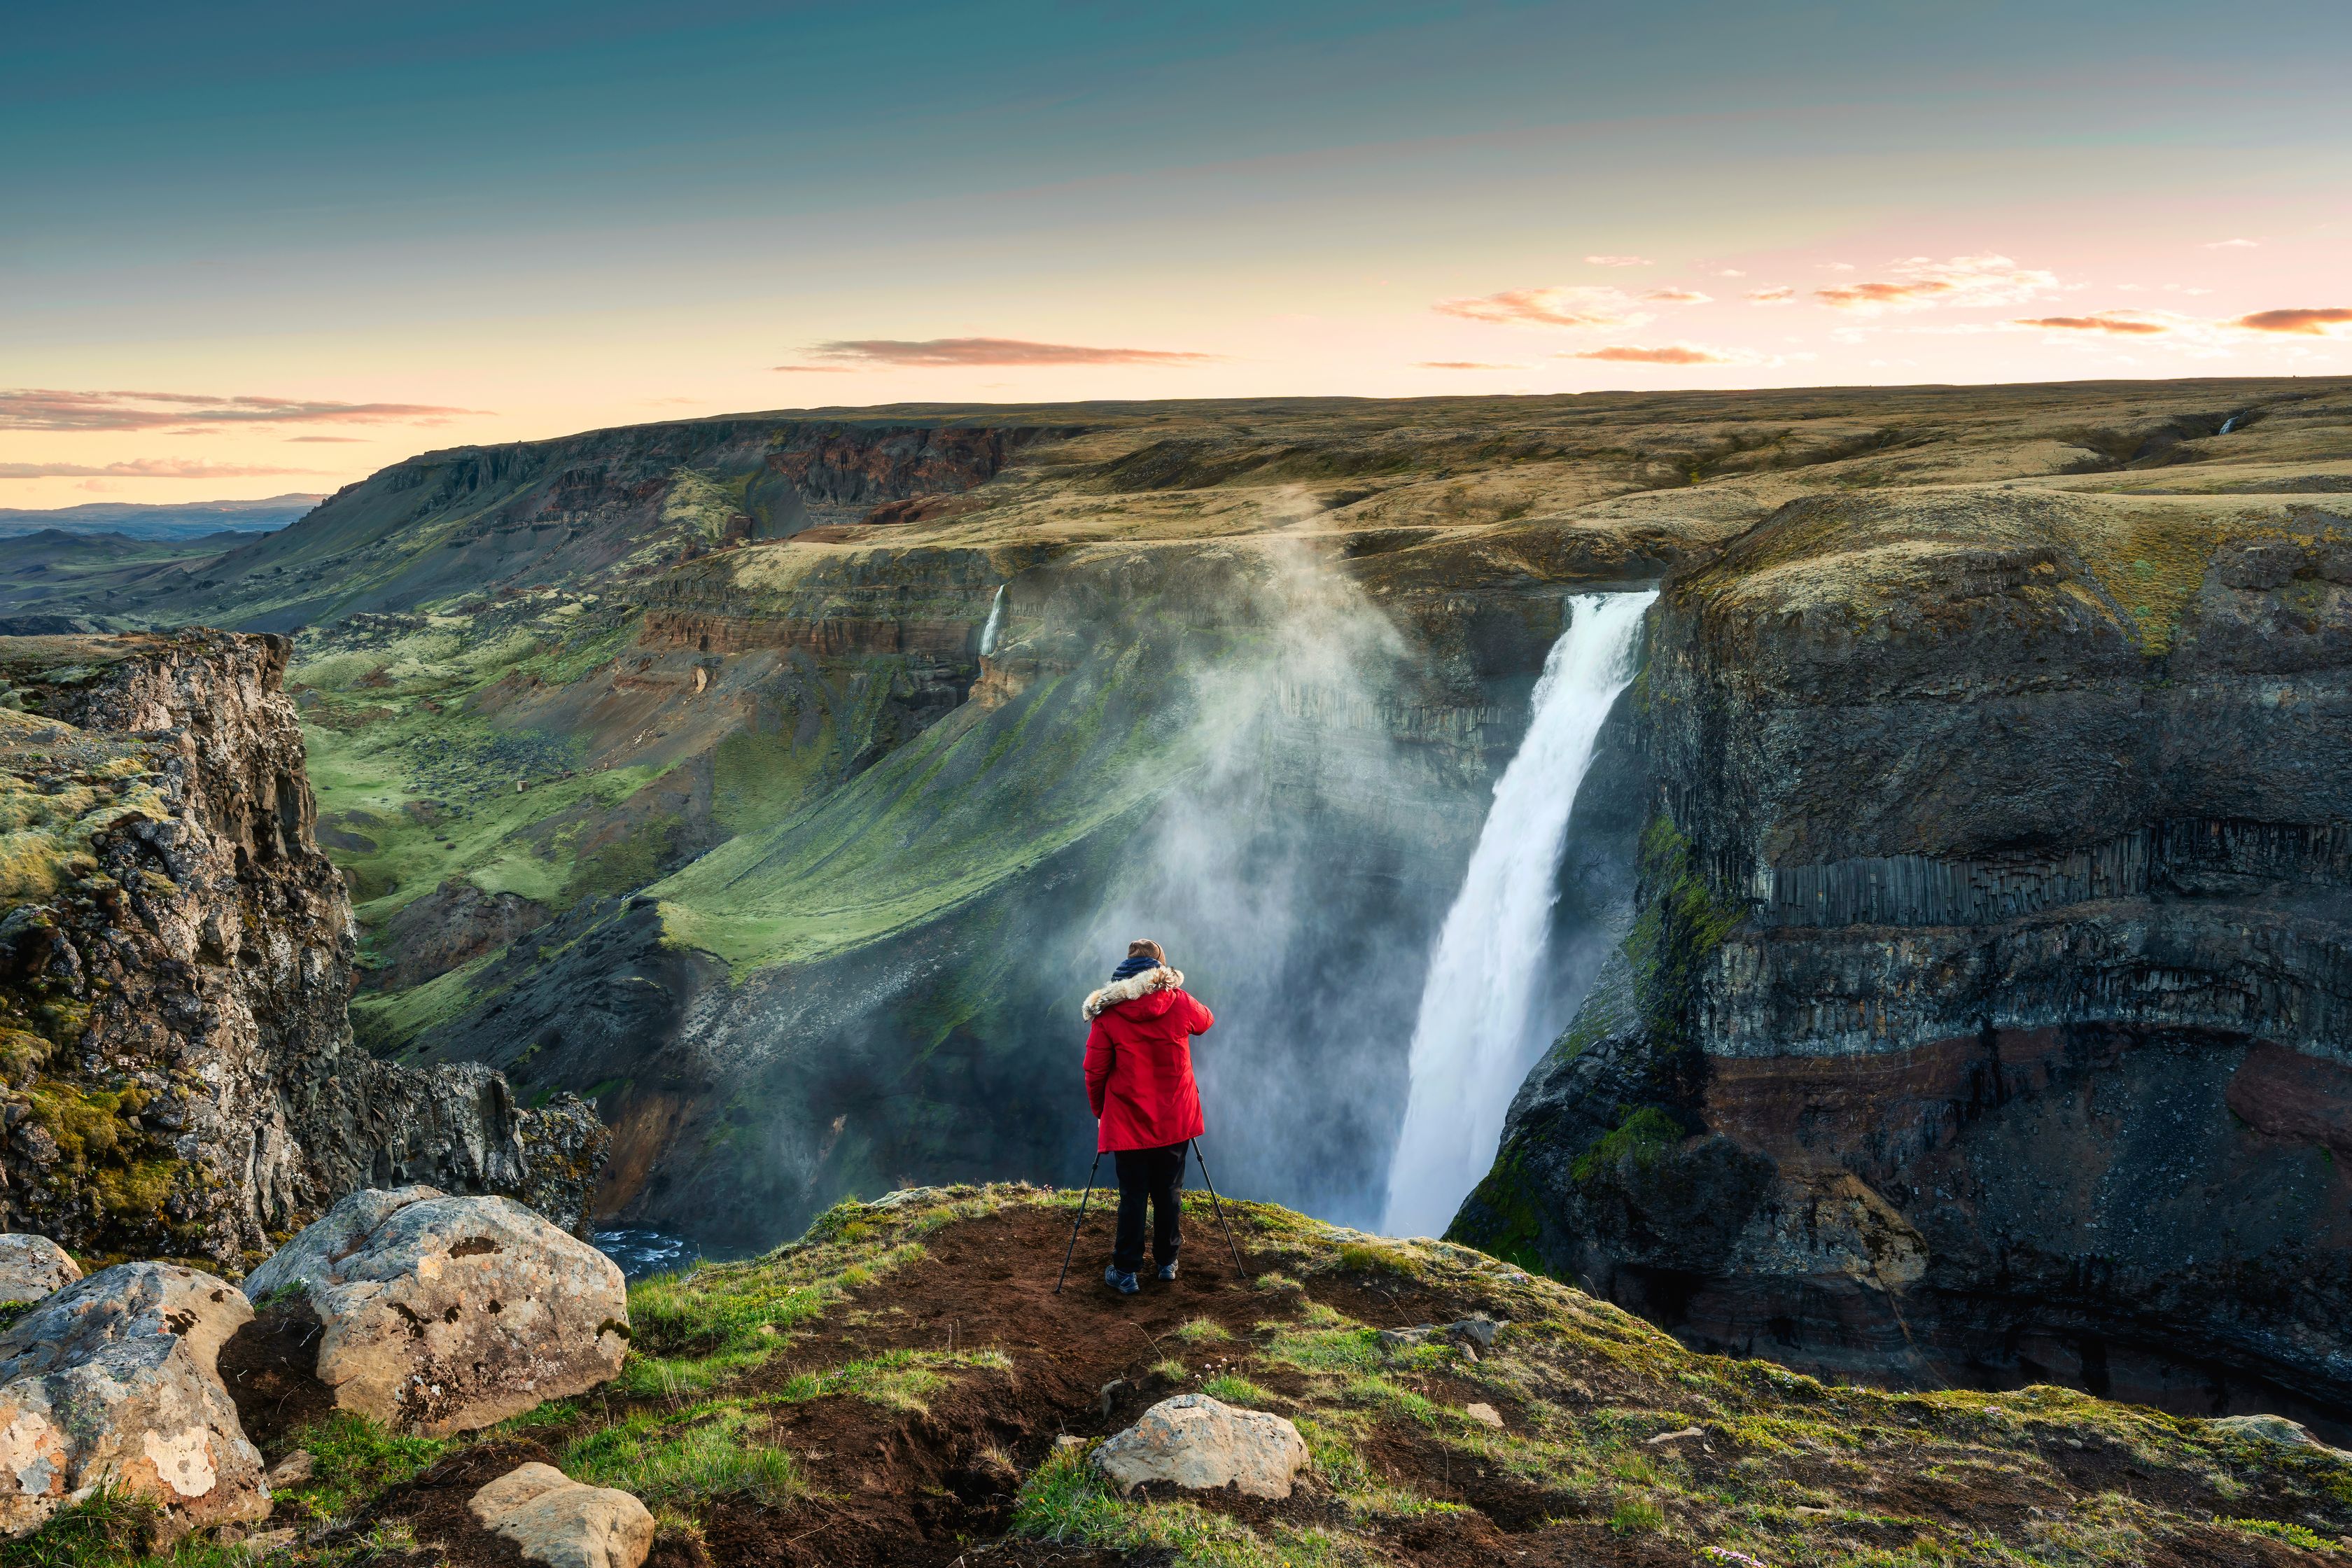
[[1155, 1176]]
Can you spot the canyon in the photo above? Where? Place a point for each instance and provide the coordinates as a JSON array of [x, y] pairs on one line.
[[1945, 961]]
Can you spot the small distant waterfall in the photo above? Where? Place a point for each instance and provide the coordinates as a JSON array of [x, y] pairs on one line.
[[1470, 1045], [995, 619], [2228, 425]]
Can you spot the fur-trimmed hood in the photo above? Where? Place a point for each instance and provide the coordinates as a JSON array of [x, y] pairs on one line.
[[1160, 979]]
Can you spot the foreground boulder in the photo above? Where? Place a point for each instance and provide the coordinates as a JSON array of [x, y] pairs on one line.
[[112, 1382], [33, 1267], [1206, 1445], [554, 1519], [442, 1314]]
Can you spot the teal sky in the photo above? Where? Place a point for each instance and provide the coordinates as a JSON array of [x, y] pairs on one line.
[[396, 227]]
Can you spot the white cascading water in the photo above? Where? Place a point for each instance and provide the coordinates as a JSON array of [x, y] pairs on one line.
[[995, 619], [1474, 1040]]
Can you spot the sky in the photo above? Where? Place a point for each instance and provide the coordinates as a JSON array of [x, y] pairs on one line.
[[254, 248]]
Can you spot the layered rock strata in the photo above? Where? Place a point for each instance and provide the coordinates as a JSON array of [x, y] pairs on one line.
[[176, 958], [1982, 1015]]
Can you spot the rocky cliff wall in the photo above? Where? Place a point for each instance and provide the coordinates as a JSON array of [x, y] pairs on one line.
[[1983, 1018], [176, 958]]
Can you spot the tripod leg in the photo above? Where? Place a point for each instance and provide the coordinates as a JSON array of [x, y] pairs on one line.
[[1240, 1269], [1071, 1250]]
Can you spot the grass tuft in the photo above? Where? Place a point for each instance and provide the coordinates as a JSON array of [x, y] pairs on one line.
[[714, 1455], [355, 1458]]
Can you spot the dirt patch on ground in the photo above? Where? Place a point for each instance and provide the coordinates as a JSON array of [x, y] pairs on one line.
[[270, 1366], [936, 1487]]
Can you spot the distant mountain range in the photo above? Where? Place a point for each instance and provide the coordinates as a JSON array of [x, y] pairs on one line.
[[185, 520]]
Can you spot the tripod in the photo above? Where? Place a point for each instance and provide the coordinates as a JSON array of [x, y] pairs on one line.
[[1240, 1270]]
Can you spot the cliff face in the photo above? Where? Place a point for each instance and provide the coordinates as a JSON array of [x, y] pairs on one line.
[[1983, 1017], [175, 955]]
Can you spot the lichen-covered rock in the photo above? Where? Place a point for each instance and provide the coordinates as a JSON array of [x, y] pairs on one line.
[[445, 1314], [33, 1267], [554, 1519], [112, 1382], [1206, 1445], [177, 1071]]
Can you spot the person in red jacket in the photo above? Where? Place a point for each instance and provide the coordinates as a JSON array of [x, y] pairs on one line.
[[1139, 1082]]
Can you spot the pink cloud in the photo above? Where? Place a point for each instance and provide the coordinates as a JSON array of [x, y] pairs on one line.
[[2233, 244], [1920, 284], [2126, 323], [1780, 296], [1618, 261], [1564, 307], [324, 440], [141, 468], [2308, 323], [1679, 297], [1463, 364], [36, 409], [935, 351], [1672, 353]]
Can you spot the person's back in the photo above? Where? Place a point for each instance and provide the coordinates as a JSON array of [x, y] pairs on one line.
[[1146, 1104]]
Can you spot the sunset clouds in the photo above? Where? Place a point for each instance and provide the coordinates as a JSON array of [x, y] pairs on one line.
[[1921, 284], [986, 352], [142, 469], [1671, 353], [2305, 323], [1578, 306], [54, 410], [2126, 323], [2294, 323]]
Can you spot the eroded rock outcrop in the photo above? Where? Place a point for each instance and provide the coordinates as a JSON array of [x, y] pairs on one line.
[[1982, 1015], [442, 1314], [176, 958], [112, 1383]]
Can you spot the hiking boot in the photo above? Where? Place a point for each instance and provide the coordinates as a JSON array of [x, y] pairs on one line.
[[1120, 1281], [1167, 1272]]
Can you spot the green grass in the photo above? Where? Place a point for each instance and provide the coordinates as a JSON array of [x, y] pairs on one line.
[[353, 1458], [1585, 1386], [710, 1451], [1636, 1516], [113, 1529], [1065, 1501]]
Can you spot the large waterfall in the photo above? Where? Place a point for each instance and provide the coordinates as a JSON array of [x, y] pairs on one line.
[[1474, 1040]]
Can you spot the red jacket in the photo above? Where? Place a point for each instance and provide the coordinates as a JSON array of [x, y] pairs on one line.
[[1140, 1061]]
